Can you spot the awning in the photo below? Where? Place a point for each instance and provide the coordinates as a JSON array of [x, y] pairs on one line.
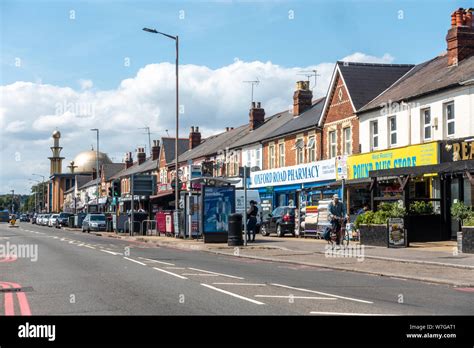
[[162, 194]]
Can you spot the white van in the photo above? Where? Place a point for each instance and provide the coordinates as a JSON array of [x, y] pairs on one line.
[[252, 195]]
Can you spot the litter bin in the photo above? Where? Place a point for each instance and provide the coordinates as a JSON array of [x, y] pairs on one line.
[[70, 222], [234, 237]]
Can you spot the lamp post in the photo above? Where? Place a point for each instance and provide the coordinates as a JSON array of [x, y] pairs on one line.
[[36, 193], [176, 39], [13, 197], [42, 189], [97, 165]]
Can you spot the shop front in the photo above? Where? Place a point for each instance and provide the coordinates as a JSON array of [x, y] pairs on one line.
[[295, 185], [360, 190]]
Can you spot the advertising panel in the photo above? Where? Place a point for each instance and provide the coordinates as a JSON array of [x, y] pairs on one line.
[[397, 234], [308, 172], [359, 166], [218, 204]]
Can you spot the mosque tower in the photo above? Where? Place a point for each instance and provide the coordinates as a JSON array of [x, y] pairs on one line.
[[56, 160]]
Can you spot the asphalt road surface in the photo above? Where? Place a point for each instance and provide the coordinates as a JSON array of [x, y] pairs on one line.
[[76, 273]]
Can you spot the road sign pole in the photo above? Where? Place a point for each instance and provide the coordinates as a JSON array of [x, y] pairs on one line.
[[245, 204], [131, 211]]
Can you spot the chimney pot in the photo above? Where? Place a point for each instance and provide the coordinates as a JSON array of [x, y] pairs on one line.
[[460, 37], [194, 138], [253, 105], [256, 116], [258, 105]]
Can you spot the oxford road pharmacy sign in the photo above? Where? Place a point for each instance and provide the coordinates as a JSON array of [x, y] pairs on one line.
[[309, 172]]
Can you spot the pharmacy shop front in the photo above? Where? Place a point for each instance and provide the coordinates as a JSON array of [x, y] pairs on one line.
[[294, 185]]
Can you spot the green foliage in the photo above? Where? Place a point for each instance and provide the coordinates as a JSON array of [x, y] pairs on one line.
[[381, 216], [421, 208], [462, 212]]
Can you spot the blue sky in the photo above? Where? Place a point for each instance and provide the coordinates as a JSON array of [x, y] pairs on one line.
[[53, 67], [58, 50]]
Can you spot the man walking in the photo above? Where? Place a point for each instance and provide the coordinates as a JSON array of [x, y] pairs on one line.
[[252, 220], [337, 216]]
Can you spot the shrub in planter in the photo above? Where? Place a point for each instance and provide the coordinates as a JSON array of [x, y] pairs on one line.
[[462, 212], [421, 208], [381, 216]]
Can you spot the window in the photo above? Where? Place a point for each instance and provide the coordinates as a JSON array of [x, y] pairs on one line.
[[392, 131], [299, 146], [249, 158], [347, 141], [332, 144], [311, 148], [281, 154], [449, 117], [271, 156], [374, 134], [257, 160], [426, 122]]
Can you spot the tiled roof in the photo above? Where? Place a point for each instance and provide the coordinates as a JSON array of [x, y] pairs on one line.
[[168, 147], [365, 81], [425, 78]]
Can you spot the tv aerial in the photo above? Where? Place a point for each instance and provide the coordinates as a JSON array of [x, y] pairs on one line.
[[253, 83], [309, 74]]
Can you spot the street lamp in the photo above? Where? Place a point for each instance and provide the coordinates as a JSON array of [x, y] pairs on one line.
[[42, 189], [176, 39], [36, 194], [13, 197], [97, 165]]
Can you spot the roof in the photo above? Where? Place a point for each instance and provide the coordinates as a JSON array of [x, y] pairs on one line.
[[427, 77], [90, 183], [110, 169], [365, 81], [307, 119], [214, 143], [168, 147], [81, 179], [147, 166]]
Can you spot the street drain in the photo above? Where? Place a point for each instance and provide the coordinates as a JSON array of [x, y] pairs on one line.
[[23, 289]]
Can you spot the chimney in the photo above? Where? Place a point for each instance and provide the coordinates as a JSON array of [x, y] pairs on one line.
[[128, 160], [302, 98], [141, 155], [256, 116], [460, 37], [155, 150], [194, 137]]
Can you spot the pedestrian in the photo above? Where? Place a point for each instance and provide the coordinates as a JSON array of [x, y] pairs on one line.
[[337, 216], [252, 220]]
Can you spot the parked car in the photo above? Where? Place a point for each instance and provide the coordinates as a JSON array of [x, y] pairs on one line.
[[94, 222], [280, 221], [45, 219], [52, 220], [63, 220], [24, 218]]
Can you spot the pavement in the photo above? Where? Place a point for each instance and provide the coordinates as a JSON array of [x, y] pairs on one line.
[[78, 273], [435, 262]]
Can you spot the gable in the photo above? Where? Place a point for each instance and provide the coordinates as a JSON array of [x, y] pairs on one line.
[[339, 105]]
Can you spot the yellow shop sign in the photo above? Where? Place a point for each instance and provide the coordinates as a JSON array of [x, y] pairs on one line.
[[359, 166]]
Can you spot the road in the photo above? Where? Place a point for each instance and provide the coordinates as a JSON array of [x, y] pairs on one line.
[[82, 274]]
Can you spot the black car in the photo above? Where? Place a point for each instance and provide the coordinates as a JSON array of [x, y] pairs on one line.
[[63, 220], [94, 222], [280, 221], [24, 218]]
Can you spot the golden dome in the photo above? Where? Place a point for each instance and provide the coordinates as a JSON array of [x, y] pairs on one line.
[[56, 134], [86, 161]]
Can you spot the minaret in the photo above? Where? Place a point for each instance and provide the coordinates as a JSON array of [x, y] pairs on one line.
[[56, 160]]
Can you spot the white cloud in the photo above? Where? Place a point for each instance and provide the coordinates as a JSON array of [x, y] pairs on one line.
[[359, 57], [212, 98]]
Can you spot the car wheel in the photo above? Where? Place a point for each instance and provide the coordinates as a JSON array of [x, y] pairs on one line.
[[280, 232], [88, 230], [263, 230]]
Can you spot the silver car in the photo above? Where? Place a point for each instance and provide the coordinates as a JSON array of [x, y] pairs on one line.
[[52, 220]]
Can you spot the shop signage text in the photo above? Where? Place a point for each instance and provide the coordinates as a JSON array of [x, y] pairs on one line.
[[457, 150], [316, 171], [359, 166]]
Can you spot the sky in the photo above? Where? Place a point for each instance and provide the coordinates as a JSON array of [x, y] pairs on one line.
[[76, 65]]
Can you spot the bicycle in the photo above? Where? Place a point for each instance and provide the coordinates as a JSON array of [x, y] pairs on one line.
[[343, 232]]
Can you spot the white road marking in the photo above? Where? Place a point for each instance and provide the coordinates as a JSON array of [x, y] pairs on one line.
[[126, 258], [232, 294], [164, 263], [200, 274], [110, 252], [298, 297], [171, 273], [82, 244], [88, 246], [355, 314], [221, 274], [171, 267], [40, 233], [323, 293], [248, 284]]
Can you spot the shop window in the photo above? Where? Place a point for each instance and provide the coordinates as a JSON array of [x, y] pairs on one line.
[[374, 135], [281, 154], [392, 131], [271, 156], [449, 119], [311, 148], [347, 141], [426, 122], [332, 144]]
